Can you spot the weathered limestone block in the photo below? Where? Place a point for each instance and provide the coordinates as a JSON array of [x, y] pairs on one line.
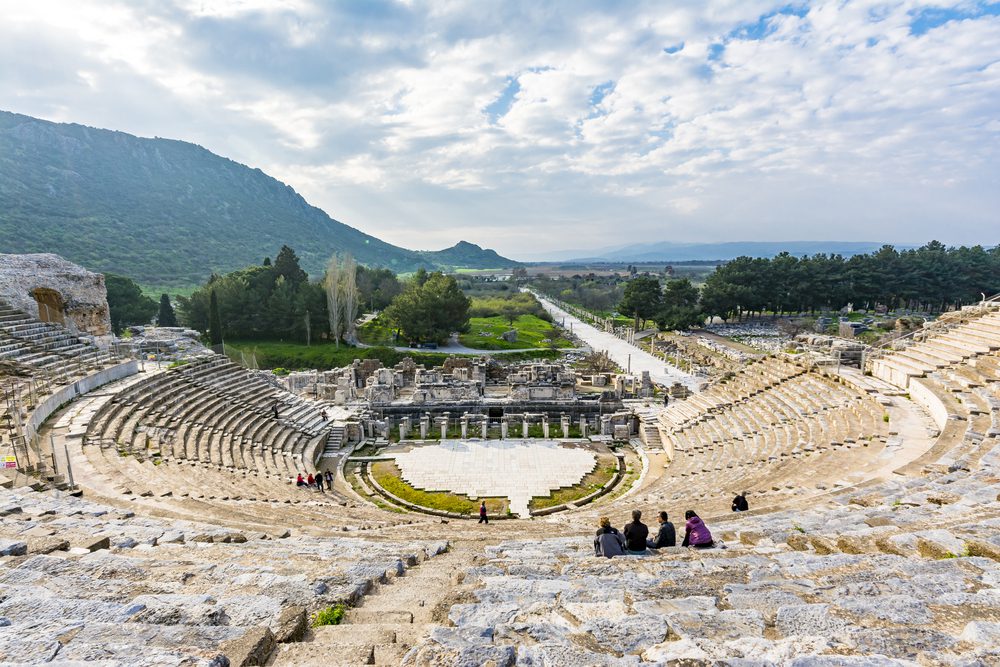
[[67, 293]]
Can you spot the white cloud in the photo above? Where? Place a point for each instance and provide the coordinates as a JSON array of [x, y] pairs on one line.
[[783, 120]]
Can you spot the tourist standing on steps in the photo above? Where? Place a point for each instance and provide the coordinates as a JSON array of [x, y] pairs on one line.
[[696, 533], [319, 482], [329, 480], [274, 408], [740, 502], [666, 536], [608, 542], [482, 513], [636, 533]]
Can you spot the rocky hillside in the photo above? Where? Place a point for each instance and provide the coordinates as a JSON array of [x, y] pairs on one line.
[[168, 213]]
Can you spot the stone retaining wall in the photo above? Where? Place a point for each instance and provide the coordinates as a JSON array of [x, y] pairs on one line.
[[78, 388]]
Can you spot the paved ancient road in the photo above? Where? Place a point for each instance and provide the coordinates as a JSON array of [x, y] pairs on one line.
[[619, 350]]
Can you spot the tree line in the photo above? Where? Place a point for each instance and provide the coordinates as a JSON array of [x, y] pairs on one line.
[[277, 301], [931, 278]]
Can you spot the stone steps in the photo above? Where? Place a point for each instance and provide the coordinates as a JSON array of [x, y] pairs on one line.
[[387, 622]]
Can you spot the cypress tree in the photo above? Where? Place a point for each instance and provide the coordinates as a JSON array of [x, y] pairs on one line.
[[166, 318], [214, 321]]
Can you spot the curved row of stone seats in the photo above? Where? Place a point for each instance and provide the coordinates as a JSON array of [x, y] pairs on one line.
[[974, 334], [128, 468], [29, 341], [552, 602], [213, 412], [802, 434], [757, 376], [88, 583]]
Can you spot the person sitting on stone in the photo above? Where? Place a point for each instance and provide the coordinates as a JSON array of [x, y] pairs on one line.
[[740, 502], [636, 533], [310, 480], [608, 542], [696, 533], [665, 536], [299, 481]]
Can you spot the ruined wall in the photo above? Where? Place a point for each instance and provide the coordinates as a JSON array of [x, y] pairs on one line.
[[69, 294]]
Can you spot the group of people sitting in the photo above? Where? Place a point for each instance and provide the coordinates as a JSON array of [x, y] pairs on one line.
[[634, 538], [317, 480]]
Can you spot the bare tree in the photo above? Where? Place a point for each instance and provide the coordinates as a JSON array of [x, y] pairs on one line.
[[349, 272], [333, 300]]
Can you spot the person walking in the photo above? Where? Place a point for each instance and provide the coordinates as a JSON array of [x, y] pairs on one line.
[[319, 482], [482, 513]]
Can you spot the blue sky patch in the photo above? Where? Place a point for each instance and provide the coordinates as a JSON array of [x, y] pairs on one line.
[[933, 17], [715, 51], [763, 27], [673, 49], [499, 107]]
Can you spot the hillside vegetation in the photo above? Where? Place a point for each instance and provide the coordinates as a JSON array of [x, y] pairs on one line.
[[169, 213]]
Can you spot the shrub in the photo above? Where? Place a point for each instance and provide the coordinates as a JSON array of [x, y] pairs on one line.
[[329, 616]]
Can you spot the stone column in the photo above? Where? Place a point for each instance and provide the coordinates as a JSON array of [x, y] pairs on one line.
[[404, 428], [386, 427], [524, 426], [484, 427], [503, 429], [545, 426], [465, 426], [583, 427], [564, 422], [443, 423], [425, 425]]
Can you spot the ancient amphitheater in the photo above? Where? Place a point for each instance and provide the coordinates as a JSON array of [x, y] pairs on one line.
[[872, 538]]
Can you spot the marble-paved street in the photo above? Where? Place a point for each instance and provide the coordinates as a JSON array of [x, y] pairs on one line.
[[515, 469], [624, 354]]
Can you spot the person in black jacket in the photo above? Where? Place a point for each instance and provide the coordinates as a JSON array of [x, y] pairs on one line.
[[740, 503], [636, 533], [666, 536]]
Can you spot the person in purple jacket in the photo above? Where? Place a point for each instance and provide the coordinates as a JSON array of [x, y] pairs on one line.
[[696, 533]]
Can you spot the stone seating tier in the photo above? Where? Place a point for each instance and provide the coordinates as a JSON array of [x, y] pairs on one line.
[[88, 583]]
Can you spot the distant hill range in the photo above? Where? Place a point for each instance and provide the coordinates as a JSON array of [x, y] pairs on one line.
[[168, 213], [685, 252]]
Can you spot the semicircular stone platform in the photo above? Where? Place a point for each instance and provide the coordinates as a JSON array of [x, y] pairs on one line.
[[515, 469]]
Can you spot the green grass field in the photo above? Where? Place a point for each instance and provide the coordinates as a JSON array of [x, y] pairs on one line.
[[297, 356], [484, 333], [601, 475], [387, 475]]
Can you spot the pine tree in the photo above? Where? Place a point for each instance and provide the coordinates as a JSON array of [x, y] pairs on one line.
[[214, 321], [166, 318]]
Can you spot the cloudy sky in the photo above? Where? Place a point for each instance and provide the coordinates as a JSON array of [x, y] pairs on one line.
[[542, 126]]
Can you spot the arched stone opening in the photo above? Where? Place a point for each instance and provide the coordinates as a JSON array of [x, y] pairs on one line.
[[50, 305]]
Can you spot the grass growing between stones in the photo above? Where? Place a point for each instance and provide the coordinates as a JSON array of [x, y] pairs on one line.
[[602, 474], [329, 616], [387, 475], [484, 333]]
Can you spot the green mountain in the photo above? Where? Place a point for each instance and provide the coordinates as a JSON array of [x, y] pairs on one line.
[[168, 213], [465, 255]]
